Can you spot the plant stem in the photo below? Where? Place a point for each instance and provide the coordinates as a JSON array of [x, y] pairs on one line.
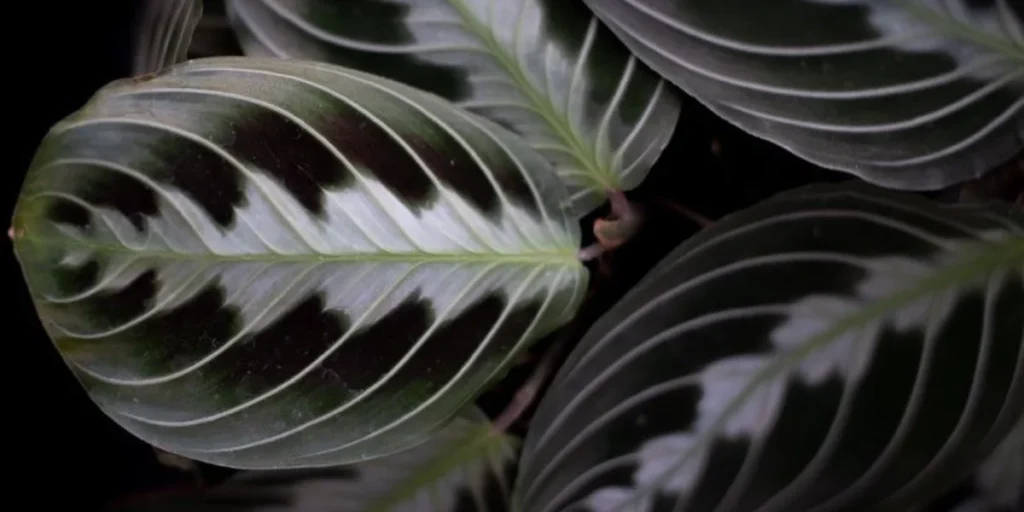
[[683, 211], [619, 227], [527, 393], [590, 252]]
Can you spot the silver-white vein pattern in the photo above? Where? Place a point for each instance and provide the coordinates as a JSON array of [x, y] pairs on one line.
[[836, 348], [464, 467], [998, 485], [909, 94], [163, 32], [546, 69], [263, 263]]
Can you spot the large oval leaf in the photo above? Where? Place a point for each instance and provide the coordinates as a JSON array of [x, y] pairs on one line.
[[832, 349], [911, 94], [465, 467], [266, 263], [546, 69]]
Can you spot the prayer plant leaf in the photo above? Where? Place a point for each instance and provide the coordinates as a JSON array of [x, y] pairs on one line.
[[465, 467], [774, 362], [908, 94], [262, 264], [998, 485], [546, 69], [163, 32]]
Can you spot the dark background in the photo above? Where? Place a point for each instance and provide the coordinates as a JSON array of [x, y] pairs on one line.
[[62, 450], [66, 453]]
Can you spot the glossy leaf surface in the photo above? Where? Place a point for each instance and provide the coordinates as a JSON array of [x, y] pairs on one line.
[[262, 263], [464, 468], [778, 362], [546, 69], [908, 94], [163, 33]]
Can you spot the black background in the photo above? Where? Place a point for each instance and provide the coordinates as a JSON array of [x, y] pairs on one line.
[[62, 451]]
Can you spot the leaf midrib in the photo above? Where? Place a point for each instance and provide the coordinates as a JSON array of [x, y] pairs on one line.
[[983, 261], [565, 257], [601, 176]]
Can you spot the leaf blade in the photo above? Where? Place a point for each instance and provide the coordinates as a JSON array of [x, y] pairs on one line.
[[163, 33], [554, 76], [794, 376], [260, 263], [464, 464], [877, 89]]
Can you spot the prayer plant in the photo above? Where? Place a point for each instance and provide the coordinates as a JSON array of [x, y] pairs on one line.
[[310, 261]]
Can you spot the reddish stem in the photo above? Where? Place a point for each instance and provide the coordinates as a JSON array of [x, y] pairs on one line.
[[619, 227], [590, 252], [683, 211], [527, 393]]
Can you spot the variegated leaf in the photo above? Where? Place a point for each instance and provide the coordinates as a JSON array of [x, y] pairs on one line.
[[261, 263], [836, 348], [909, 94], [163, 32], [998, 485], [546, 69], [464, 468]]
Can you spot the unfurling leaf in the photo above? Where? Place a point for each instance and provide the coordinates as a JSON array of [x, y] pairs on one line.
[[262, 263], [464, 467], [909, 94], [163, 32], [835, 348], [546, 69]]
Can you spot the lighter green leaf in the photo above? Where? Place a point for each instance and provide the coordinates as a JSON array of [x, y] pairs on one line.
[[774, 362], [908, 94], [163, 32], [546, 69], [262, 263], [466, 464]]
